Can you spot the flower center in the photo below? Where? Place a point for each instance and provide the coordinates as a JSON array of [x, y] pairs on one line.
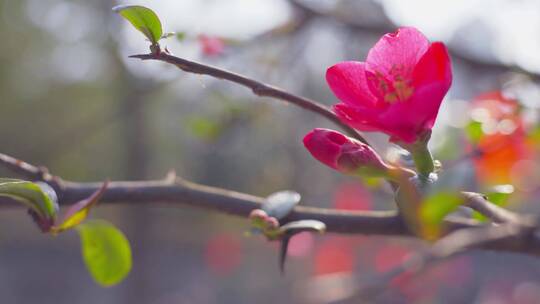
[[396, 87]]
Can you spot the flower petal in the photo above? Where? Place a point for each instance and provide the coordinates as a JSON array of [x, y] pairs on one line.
[[431, 80], [360, 118], [405, 121], [398, 90], [394, 121], [434, 66], [348, 82], [399, 50]]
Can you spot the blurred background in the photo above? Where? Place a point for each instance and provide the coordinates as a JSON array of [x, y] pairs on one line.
[[73, 101]]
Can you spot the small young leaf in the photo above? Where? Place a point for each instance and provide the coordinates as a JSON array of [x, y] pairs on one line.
[[168, 35], [181, 36], [281, 203], [534, 135], [40, 198], [295, 227], [474, 132], [105, 250], [143, 19], [49, 192], [499, 195], [204, 128], [78, 212], [434, 209]]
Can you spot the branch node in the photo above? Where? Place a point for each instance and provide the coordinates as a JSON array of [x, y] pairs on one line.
[[260, 90], [171, 177]]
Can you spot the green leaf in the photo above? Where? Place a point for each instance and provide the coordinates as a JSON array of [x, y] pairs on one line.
[[499, 195], [534, 135], [105, 250], [203, 128], [168, 35], [434, 209], [39, 197], [143, 19], [474, 131], [181, 36], [79, 211], [281, 203]]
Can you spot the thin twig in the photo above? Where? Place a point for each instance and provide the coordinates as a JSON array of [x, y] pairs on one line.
[[257, 87], [23, 168], [480, 203], [521, 236]]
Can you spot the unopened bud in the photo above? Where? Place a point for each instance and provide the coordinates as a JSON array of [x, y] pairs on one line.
[[258, 214], [271, 223], [345, 154], [258, 218]]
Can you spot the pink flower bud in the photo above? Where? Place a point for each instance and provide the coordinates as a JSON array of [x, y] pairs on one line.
[[261, 220], [343, 153], [272, 223], [258, 214]]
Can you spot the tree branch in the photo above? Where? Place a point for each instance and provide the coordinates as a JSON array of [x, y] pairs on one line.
[[486, 237], [479, 202], [175, 191], [257, 87], [23, 168]]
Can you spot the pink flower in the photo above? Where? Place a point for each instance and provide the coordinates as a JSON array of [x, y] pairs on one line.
[[211, 45], [398, 90], [343, 153]]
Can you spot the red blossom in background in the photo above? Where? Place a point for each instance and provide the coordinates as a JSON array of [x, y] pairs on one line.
[[211, 45], [398, 90], [343, 153], [499, 154], [301, 244], [390, 256], [504, 140], [223, 253], [424, 288], [496, 105], [334, 255], [353, 196]]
